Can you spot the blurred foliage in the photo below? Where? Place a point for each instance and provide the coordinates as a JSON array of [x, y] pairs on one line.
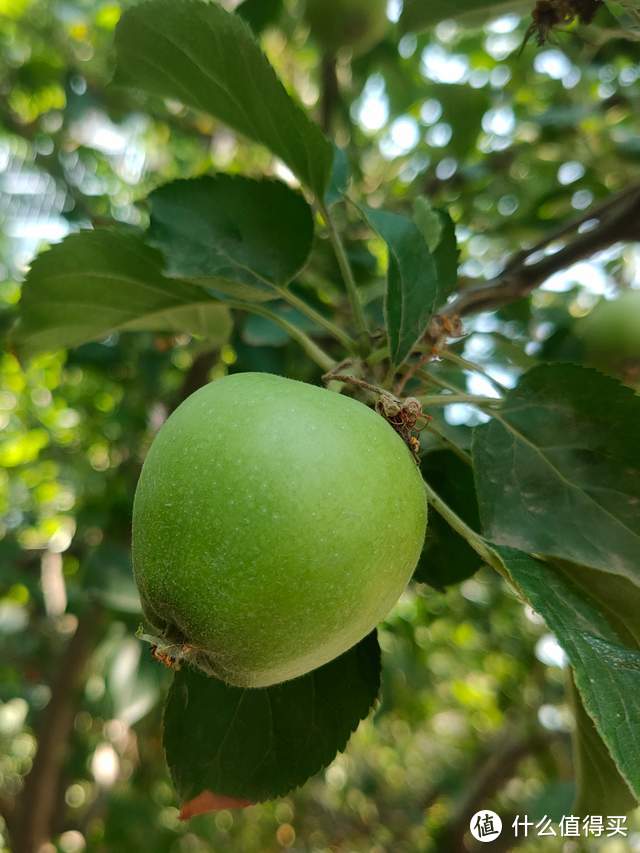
[[513, 144]]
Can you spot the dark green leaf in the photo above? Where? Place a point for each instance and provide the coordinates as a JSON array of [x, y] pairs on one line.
[[617, 597], [412, 290], [599, 782], [558, 470], [446, 557], [249, 233], [259, 14], [258, 744], [98, 282], [446, 255], [600, 787], [208, 58], [419, 14], [428, 221], [440, 233], [607, 673]]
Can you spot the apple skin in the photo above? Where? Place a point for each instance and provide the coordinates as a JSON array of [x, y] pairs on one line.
[[275, 524], [358, 24], [611, 336]]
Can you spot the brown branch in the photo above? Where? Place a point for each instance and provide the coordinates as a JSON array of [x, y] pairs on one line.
[[616, 219], [37, 802], [196, 376], [330, 92], [487, 779]]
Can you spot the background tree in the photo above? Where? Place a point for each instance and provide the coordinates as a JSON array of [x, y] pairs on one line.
[[532, 152]]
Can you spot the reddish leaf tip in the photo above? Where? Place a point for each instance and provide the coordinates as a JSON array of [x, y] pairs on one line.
[[207, 801]]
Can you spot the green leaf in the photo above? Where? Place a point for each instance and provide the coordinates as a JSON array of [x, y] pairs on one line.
[[208, 58], [599, 781], [446, 255], [419, 14], [98, 282], [245, 232], [259, 14], [558, 469], [428, 221], [413, 291], [440, 234], [259, 744], [447, 558], [607, 673], [617, 597], [600, 787]]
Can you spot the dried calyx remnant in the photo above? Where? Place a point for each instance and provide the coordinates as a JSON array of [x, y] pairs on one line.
[[549, 14], [404, 415]]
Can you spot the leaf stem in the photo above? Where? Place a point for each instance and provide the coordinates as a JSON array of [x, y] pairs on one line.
[[472, 367], [304, 308], [477, 542], [347, 273], [315, 352], [449, 444], [447, 399], [441, 383], [378, 355]]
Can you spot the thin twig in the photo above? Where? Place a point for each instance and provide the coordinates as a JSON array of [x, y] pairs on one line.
[[411, 372], [347, 379]]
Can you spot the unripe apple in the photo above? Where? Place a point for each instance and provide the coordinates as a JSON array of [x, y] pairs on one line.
[[611, 336], [358, 24], [275, 524]]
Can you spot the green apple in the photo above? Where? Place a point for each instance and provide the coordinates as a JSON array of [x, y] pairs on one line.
[[611, 336], [358, 24], [275, 524]]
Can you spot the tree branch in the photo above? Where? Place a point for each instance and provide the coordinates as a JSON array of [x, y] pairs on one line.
[[487, 779], [616, 219], [330, 92], [196, 376], [37, 802]]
